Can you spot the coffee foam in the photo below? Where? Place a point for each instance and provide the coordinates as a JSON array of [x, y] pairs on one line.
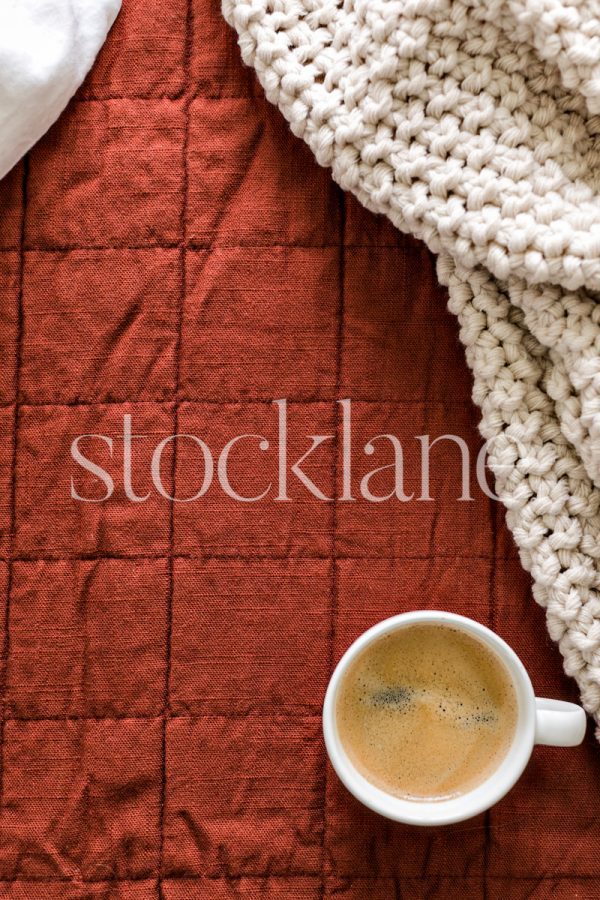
[[426, 712]]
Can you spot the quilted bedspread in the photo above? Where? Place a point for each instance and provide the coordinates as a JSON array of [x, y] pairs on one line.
[[171, 253]]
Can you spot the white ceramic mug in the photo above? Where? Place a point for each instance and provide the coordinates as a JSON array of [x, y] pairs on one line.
[[539, 721]]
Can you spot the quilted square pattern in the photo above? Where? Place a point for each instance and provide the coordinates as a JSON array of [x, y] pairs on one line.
[[81, 199], [169, 252], [51, 520], [244, 796], [387, 461], [99, 299], [71, 653], [55, 773], [218, 521], [145, 56], [249, 342], [231, 154], [214, 609], [399, 340]]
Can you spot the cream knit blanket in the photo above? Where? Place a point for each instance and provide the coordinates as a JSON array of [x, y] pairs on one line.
[[474, 126]]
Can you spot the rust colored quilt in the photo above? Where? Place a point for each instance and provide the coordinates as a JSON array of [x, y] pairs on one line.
[[171, 253]]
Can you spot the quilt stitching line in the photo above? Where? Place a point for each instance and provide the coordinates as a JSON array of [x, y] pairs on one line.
[[299, 716], [294, 873], [191, 244], [341, 275], [207, 401], [250, 557], [487, 846], [167, 712], [13, 480]]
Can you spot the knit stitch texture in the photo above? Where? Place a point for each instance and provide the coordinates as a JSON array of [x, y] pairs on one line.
[[474, 127]]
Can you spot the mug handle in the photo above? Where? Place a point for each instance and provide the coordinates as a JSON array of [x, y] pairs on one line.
[[558, 723]]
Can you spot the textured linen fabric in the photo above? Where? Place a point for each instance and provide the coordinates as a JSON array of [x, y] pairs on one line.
[[170, 251]]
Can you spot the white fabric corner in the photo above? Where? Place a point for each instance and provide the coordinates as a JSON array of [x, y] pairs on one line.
[[46, 49]]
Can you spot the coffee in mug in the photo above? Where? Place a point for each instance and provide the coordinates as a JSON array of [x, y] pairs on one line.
[[430, 718], [426, 712]]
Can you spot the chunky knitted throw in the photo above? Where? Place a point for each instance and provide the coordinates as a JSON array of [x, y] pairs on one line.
[[473, 125]]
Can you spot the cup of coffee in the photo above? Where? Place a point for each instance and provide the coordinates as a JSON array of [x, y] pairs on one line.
[[430, 718]]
